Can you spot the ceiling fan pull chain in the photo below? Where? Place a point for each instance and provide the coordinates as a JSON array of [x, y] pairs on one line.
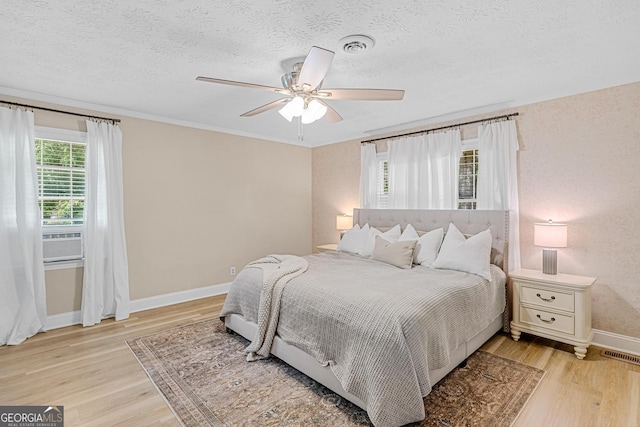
[[300, 135]]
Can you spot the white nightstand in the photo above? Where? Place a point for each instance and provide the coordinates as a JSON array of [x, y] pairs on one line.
[[553, 306], [329, 247]]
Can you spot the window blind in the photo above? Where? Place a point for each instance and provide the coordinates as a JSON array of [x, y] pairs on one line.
[[382, 180], [468, 179], [61, 181]]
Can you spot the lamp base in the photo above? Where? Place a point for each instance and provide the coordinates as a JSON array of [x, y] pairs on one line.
[[550, 261]]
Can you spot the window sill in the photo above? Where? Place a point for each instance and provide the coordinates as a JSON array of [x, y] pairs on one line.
[[63, 265]]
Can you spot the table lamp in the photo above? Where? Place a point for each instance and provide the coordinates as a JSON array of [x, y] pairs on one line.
[[343, 223], [550, 236]]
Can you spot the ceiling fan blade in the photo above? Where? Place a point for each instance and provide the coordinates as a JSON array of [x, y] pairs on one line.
[[266, 107], [241, 84], [362, 94], [315, 67], [331, 115]]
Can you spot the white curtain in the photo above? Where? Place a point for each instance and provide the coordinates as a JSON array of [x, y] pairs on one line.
[[423, 171], [105, 290], [23, 310], [498, 177], [368, 176]]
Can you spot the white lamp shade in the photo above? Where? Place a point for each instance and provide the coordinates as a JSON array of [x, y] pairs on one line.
[[314, 111], [293, 108], [550, 235], [284, 112], [344, 222]]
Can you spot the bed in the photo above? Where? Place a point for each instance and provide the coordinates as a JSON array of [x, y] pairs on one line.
[[376, 335]]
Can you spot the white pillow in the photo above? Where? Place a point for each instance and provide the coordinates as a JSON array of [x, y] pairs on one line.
[[428, 244], [354, 240], [470, 255], [409, 233], [391, 235]]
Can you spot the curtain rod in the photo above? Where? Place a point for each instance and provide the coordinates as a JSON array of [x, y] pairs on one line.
[[505, 116], [60, 111]]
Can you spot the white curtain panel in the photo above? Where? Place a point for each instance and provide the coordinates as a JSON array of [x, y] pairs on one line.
[[23, 310], [423, 171], [498, 177], [368, 176], [105, 290]]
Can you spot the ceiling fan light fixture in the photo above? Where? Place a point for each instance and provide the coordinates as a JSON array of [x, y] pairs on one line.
[[293, 108], [284, 112], [314, 111], [319, 110], [307, 118]]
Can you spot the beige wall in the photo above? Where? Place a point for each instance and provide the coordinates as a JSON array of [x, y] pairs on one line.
[[199, 202], [577, 164], [196, 203]]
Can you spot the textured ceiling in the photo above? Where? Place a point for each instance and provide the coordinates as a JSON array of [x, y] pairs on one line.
[[453, 58]]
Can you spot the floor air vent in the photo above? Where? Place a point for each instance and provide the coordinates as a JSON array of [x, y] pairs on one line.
[[621, 356]]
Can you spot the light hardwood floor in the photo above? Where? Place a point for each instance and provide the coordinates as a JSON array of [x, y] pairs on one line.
[[94, 375]]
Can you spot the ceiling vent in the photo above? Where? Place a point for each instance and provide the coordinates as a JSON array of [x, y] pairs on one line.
[[356, 43]]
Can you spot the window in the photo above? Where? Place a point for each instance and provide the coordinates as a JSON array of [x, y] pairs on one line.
[[61, 177], [60, 165], [383, 181], [467, 177]]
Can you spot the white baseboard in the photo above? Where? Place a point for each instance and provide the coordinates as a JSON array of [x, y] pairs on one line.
[[73, 317], [603, 339], [178, 297], [61, 320], [617, 342]]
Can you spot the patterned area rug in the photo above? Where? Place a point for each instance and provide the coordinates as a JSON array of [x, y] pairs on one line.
[[203, 375]]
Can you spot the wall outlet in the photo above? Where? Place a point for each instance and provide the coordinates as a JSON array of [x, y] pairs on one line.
[[232, 271]]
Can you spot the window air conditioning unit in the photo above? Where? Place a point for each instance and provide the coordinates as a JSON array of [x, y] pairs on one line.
[[62, 246]]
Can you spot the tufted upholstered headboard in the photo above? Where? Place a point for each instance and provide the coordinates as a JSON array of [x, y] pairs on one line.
[[468, 222]]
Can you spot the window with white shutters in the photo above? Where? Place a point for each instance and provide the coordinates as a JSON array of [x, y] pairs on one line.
[[382, 181], [468, 175]]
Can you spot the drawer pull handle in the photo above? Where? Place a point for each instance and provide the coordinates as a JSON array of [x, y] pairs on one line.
[[552, 299], [553, 319]]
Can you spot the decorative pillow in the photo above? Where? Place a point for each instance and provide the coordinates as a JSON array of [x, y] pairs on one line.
[[399, 254], [409, 233], [355, 239], [470, 255], [391, 235], [427, 248], [427, 245]]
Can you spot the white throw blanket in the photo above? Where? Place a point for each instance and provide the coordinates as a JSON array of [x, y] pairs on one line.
[[277, 271]]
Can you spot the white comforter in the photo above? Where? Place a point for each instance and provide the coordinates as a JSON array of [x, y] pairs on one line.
[[380, 328]]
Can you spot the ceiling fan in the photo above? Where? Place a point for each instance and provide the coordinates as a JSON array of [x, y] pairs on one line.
[[304, 96]]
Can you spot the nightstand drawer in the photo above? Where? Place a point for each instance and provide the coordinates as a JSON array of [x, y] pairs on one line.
[[548, 320], [547, 298]]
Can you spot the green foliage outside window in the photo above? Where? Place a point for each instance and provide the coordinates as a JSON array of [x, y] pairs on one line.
[[61, 181], [468, 179]]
